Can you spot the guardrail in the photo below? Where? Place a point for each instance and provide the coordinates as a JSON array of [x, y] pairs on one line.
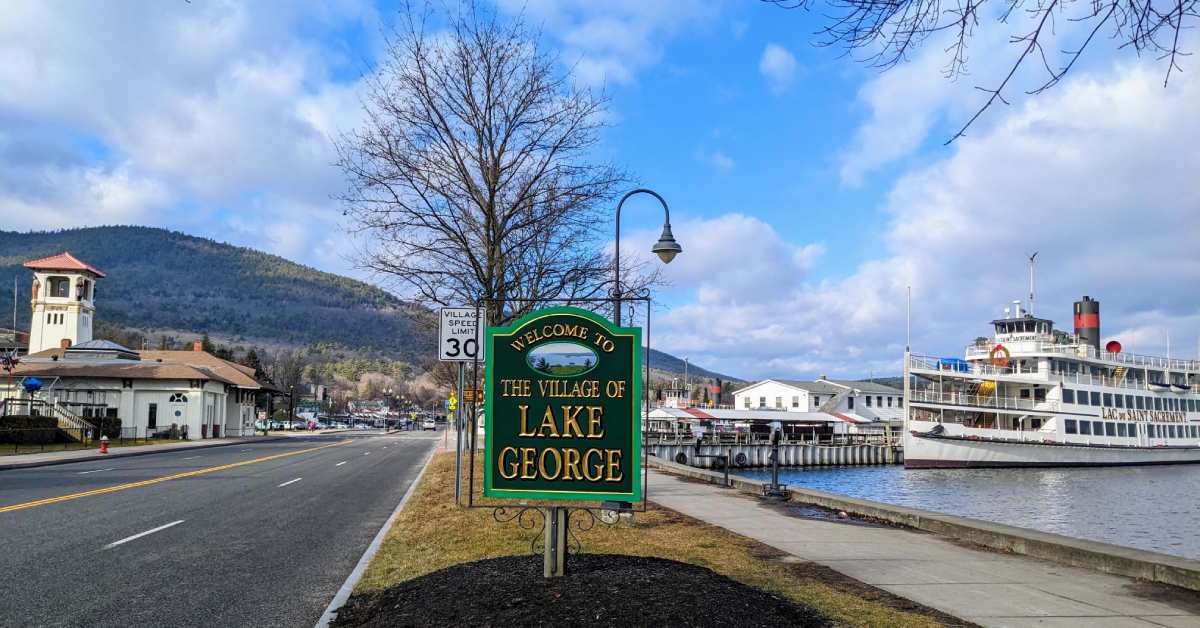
[[988, 401]]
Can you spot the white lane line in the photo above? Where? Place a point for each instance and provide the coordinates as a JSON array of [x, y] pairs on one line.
[[96, 471], [366, 453], [340, 463], [245, 450], [141, 534], [290, 482], [191, 457]]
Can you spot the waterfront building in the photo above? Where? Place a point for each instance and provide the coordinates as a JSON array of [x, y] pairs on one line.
[[671, 421], [13, 341], [868, 406], [83, 378], [1032, 395]]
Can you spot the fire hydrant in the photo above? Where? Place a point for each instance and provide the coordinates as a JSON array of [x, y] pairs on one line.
[[103, 444]]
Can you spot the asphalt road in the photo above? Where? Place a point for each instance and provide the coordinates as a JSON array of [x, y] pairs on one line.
[[266, 543]]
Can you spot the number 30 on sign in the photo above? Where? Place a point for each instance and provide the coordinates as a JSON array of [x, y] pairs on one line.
[[460, 337]]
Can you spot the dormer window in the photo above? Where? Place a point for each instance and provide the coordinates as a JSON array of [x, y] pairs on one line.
[[59, 287]]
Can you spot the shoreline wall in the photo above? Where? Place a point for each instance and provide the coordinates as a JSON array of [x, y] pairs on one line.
[[1104, 557]]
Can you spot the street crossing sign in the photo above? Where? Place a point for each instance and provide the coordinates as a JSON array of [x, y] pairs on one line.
[[452, 402], [460, 338]]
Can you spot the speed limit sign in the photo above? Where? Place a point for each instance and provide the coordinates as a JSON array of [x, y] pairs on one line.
[[460, 338]]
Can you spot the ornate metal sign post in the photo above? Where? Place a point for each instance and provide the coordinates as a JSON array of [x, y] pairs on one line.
[[563, 395]]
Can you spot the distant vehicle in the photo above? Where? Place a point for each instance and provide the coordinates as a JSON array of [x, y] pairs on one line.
[[428, 424]]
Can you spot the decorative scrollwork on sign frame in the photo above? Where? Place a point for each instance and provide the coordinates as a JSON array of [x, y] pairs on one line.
[[525, 521]]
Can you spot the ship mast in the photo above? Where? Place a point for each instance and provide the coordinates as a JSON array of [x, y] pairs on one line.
[[1031, 285]]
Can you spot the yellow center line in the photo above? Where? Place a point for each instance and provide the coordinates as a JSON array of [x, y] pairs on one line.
[[187, 474]]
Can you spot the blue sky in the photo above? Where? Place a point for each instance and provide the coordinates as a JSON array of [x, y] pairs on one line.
[[807, 190]]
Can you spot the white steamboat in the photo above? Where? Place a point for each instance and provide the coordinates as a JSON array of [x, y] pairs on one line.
[[1039, 397]]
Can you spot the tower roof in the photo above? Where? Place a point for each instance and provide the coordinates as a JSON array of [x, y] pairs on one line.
[[62, 261]]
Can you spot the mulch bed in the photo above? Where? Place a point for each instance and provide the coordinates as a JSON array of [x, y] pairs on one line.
[[611, 589]]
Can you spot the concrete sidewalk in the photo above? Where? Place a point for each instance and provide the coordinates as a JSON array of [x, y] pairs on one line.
[[987, 588], [48, 458]]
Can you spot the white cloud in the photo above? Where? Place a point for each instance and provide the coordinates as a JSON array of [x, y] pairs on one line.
[[721, 162], [178, 115], [778, 66], [1098, 176], [610, 42]]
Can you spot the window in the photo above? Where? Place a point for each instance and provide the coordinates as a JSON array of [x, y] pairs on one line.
[[850, 402], [795, 401], [58, 287], [1120, 400], [1068, 395], [1129, 401], [1132, 429], [868, 401], [152, 416], [178, 398], [1039, 394], [899, 402], [762, 402], [1097, 428], [1072, 426], [1108, 400], [1085, 427], [779, 402], [1120, 429], [1158, 403], [889, 402], [1095, 398], [816, 401], [879, 401], [1191, 405], [1141, 402], [1024, 393], [747, 404], [1195, 431], [1110, 429]]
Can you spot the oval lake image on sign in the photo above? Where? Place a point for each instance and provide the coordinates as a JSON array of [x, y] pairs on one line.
[[562, 359]]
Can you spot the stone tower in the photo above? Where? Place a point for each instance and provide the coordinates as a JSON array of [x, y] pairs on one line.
[[63, 300]]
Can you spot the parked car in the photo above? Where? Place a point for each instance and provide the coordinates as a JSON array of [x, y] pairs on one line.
[[428, 424]]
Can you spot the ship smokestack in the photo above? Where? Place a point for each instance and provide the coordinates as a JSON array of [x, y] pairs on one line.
[[1087, 322]]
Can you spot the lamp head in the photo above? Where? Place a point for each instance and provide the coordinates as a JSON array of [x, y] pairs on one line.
[[666, 248]]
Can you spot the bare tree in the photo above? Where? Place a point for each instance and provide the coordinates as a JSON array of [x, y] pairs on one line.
[[887, 30], [474, 178]]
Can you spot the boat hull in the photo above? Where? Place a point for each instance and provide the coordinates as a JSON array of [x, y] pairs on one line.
[[946, 453]]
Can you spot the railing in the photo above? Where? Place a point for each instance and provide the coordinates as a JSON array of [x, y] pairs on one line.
[[975, 351], [654, 438], [976, 369], [982, 401], [47, 439]]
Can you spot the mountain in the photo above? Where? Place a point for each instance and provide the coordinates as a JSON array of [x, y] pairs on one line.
[[673, 365], [164, 281]]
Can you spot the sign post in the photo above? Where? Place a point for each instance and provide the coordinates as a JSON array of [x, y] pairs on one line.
[[563, 397], [460, 338]]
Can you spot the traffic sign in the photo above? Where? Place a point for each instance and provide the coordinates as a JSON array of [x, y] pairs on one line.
[[452, 402], [460, 338], [472, 395]]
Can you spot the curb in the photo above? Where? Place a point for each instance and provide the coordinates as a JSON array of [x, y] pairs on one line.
[[343, 594], [1103, 557], [110, 456]]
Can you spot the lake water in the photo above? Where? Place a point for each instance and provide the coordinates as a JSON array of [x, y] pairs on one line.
[[1155, 508]]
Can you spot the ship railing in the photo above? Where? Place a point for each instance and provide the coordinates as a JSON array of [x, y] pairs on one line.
[[976, 351], [974, 369], [982, 401]]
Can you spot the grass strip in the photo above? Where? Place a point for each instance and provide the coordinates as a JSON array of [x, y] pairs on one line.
[[431, 534]]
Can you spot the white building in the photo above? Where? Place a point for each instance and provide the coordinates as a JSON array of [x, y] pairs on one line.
[[149, 391], [876, 403]]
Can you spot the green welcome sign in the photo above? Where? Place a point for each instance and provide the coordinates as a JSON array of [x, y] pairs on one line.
[[563, 398]]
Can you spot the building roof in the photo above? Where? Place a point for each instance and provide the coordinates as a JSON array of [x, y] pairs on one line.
[[13, 339], [240, 375], [115, 369], [867, 387], [748, 415], [819, 387], [62, 261]]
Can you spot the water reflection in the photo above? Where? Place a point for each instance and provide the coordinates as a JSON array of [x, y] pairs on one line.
[[1151, 508]]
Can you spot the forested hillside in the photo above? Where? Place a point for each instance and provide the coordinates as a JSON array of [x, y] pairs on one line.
[[161, 280]]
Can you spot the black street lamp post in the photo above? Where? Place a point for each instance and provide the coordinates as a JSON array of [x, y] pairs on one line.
[[666, 248]]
